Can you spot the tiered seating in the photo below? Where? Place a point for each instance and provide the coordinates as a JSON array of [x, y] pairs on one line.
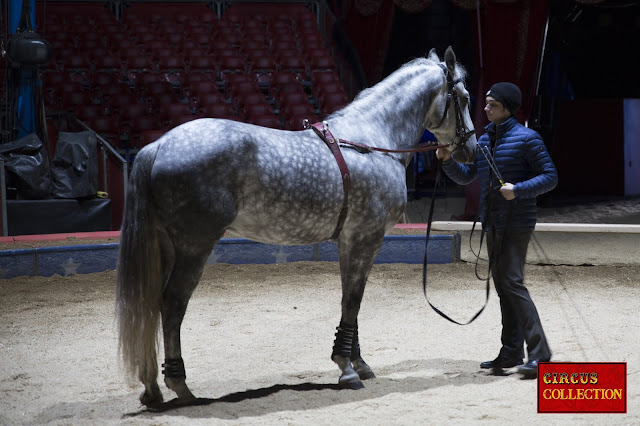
[[165, 64]]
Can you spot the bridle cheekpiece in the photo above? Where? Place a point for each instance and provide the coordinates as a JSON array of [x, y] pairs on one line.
[[462, 133]]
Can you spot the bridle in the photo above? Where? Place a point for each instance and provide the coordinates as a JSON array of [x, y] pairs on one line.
[[462, 133]]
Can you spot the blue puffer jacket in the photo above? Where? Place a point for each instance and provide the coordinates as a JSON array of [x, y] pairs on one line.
[[522, 159]]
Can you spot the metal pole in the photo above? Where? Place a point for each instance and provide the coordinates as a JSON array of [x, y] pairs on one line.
[[125, 178], [479, 34], [544, 46], [110, 150], [3, 194], [104, 168]]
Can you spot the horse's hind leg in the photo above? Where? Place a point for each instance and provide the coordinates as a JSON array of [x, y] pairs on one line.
[[184, 278], [356, 258]]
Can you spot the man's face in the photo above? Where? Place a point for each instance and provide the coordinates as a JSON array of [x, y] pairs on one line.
[[496, 112]]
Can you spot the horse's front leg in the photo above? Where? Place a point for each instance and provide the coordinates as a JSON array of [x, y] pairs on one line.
[[346, 353], [356, 259], [361, 367]]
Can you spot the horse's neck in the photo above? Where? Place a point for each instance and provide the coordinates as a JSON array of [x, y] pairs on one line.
[[391, 116]]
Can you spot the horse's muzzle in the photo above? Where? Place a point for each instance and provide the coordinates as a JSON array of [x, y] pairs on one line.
[[466, 149]]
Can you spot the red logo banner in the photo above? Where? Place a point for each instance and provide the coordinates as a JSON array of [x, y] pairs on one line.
[[582, 387]]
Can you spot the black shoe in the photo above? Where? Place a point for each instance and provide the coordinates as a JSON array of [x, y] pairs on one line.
[[501, 362], [530, 369]]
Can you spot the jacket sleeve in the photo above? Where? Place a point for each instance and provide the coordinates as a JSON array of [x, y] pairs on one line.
[[544, 175], [461, 174]]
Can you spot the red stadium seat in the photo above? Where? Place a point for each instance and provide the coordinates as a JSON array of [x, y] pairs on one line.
[[321, 62], [177, 120], [293, 64], [203, 87], [108, 63], [166, 112], [297, 110], [209, 99], [267, 120], [90, 112], [290, 98], [331, 102], [149, 136], [73, 101], [132, 112], [249, 111], [232, 64], [171, 63], [217, 111], [137, 63], [328, 87], [263, 64], [107, 128]]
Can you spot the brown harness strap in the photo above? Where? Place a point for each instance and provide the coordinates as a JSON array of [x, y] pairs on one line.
[[367, 148], [332, 143]]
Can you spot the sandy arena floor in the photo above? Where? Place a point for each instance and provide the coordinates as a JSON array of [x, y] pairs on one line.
[[257, 339]]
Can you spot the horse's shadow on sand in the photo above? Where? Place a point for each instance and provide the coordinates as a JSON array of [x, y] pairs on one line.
[[245, 404], [237, 396]]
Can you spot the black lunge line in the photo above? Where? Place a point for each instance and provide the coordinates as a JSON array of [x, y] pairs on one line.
[[426, 251]]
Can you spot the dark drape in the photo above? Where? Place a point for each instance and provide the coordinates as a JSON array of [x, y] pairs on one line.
[[367, 23], [508, 40], [508, 47]]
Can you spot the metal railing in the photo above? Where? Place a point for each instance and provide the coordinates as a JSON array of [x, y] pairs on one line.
[[3, 194], [106, 149]]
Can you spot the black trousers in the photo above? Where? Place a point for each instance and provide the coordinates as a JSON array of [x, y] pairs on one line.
[[520, 319]]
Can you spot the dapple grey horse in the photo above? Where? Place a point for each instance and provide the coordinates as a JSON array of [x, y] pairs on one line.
[[277, 187]]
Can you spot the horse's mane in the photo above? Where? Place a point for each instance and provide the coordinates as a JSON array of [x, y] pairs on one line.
[[396, 78]]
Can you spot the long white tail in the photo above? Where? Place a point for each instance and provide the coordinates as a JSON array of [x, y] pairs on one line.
[[139, 275]]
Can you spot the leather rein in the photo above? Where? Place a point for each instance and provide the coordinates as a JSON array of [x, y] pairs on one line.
[[322, 129]]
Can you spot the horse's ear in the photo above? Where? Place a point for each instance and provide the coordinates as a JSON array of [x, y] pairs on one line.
[[450, 60], [433, 55]]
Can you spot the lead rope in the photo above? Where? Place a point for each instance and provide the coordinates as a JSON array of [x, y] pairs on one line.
[[426, 251]]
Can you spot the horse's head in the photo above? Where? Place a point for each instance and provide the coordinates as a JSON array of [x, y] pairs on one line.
[[449, 118]]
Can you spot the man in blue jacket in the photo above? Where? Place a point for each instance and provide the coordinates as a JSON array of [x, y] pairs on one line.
[[522, 169]]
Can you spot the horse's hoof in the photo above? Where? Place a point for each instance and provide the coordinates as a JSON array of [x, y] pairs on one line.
[[364, 371], [350, 381], [149, 400], [366, 374], [353, 385]]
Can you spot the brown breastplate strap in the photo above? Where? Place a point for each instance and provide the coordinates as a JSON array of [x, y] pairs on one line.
[[332, 143]]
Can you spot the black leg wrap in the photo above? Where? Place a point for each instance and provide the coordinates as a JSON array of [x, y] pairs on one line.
[[344, 339], [355, 345], [174, 368]]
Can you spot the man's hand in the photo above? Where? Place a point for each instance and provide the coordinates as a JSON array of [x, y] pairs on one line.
[[507, 191], [443, 154]]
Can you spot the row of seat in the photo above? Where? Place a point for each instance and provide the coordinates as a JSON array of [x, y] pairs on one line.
[[123, 111], [256, 61], [100, 87], [158, 67]]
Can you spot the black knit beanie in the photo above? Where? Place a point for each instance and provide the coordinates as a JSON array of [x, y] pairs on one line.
[[508, 94]]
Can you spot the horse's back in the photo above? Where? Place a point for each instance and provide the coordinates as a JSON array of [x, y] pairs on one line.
[[222, 173]]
